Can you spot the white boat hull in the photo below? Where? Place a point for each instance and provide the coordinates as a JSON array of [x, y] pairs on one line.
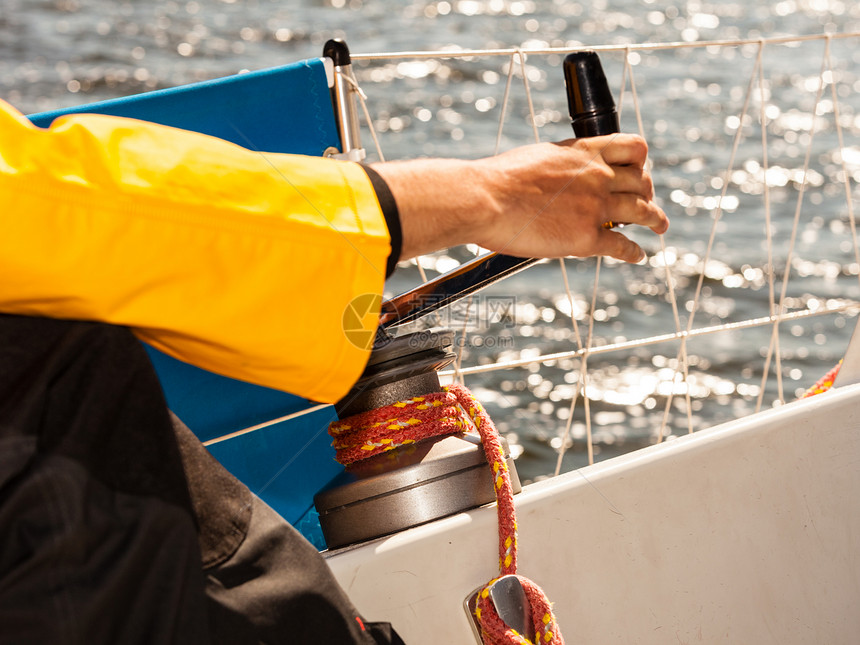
[[744, 533]]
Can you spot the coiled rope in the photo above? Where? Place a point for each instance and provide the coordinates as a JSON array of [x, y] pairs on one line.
[[454, 410]]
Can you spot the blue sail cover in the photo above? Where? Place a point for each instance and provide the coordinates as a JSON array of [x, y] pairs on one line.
[[283, 109]]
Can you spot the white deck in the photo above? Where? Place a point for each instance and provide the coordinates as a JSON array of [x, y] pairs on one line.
[[744, 533]]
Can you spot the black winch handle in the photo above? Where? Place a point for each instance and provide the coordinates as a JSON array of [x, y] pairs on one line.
[[592, 113], [589, 99]]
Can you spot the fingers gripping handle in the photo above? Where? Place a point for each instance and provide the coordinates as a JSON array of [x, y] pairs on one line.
[[589, 99]]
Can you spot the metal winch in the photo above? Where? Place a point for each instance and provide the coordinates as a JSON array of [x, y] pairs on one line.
[[411, 484]]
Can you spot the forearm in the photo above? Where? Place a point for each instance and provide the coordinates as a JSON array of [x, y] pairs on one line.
[[441, 202], [545, 200]]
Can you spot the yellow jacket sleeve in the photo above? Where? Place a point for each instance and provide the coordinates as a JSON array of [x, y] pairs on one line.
[[239, 262]]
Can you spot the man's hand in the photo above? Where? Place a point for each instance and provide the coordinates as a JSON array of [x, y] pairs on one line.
[[542, 200]]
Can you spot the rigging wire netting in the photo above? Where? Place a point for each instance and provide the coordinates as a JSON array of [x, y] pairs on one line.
[[743, 304]]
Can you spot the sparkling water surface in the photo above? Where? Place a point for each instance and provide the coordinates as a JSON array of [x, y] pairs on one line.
[[691, 100]]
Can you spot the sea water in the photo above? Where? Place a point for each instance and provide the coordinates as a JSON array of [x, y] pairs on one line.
[[56, 53]]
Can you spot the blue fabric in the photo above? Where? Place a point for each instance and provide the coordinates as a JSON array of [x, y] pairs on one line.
[[284, 109]]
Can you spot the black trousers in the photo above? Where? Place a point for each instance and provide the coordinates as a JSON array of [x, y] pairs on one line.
[[117, 526]]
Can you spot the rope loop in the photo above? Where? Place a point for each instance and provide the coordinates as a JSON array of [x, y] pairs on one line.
[[404, 422], [453, 410], [496, 632]]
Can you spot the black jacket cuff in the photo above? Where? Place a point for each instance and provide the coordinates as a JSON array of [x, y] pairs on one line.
[[391, 214]]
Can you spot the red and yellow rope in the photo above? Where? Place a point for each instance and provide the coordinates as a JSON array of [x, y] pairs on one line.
[[824, 383], [453, 410]]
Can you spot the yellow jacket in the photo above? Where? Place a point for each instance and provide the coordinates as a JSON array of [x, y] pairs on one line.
[[238, 262]]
